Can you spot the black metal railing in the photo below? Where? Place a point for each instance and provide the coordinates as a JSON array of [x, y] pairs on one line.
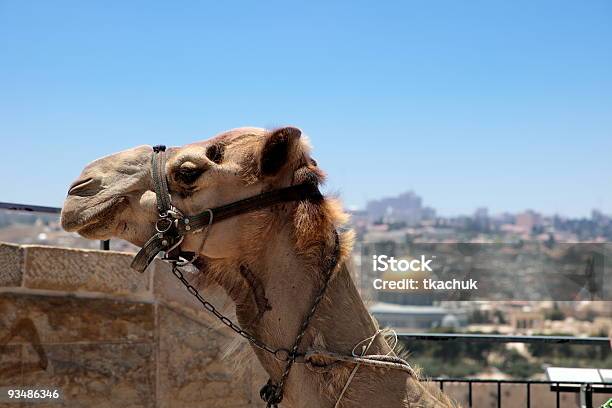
[[587, 389], [557, 387], [104, 245], [502, 338]]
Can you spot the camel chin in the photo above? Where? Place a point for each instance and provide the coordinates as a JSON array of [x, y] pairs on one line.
[[98, 230], [92, 222]]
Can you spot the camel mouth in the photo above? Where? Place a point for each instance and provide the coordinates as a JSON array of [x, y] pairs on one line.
[[87, 220]]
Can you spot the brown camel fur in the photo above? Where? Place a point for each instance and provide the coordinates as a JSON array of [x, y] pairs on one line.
[[268, 261]]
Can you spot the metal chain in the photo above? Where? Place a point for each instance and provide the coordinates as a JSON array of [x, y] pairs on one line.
[[224, 319], [271, 393]]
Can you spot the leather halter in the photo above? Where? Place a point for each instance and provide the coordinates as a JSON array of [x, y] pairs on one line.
[[172, 225]]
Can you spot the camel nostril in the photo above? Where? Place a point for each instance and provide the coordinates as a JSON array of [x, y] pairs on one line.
[[83, 187]]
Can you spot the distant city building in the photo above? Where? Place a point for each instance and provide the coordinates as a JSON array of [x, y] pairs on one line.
[[598, 216], [526, 320], [428, 213], [481, 213], [417, 318], [481, 219], [407, 208], [528, 220]]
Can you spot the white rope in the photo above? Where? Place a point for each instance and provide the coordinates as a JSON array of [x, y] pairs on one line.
[[364, 349]]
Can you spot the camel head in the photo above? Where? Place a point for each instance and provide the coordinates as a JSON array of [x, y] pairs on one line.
[[114, 196]]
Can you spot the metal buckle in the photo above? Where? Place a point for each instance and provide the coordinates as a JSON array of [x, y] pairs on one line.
[[160, 227], [166, 219]]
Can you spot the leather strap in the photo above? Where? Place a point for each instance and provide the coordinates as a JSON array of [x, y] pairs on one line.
[[298, 192], [160, 183], [147, 253]]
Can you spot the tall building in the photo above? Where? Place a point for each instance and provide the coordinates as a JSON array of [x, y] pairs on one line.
[[481, 219], [528, 220], [407, 207]]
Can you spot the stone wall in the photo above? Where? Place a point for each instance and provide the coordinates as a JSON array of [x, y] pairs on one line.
[[107, 336]]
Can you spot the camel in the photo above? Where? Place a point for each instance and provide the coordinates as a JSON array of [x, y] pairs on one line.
[[268, 261]]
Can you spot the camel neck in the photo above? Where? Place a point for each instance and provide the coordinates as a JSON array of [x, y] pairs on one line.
[[289, 288]]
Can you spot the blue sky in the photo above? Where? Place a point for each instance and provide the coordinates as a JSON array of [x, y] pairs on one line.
[[506, 105]]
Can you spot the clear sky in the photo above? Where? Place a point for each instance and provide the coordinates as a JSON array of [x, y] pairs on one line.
[[506, 105]]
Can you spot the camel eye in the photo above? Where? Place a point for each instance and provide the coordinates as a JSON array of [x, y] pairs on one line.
[[215, 153], [189, 175]]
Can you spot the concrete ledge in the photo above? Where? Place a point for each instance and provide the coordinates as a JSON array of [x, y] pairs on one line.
[[82, 270]]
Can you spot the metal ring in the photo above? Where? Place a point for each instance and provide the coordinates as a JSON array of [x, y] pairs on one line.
[[210, 221], [282, 350], [175, 212], [163, 229]]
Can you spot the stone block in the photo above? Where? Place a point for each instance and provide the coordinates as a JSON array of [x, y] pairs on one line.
[[10, 365], [38, 319], [192, 369], [82, 270], [167, 289], [11, 264], [95, 375]]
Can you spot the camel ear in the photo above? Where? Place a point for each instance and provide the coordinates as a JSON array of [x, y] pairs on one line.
[[279, 148]]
